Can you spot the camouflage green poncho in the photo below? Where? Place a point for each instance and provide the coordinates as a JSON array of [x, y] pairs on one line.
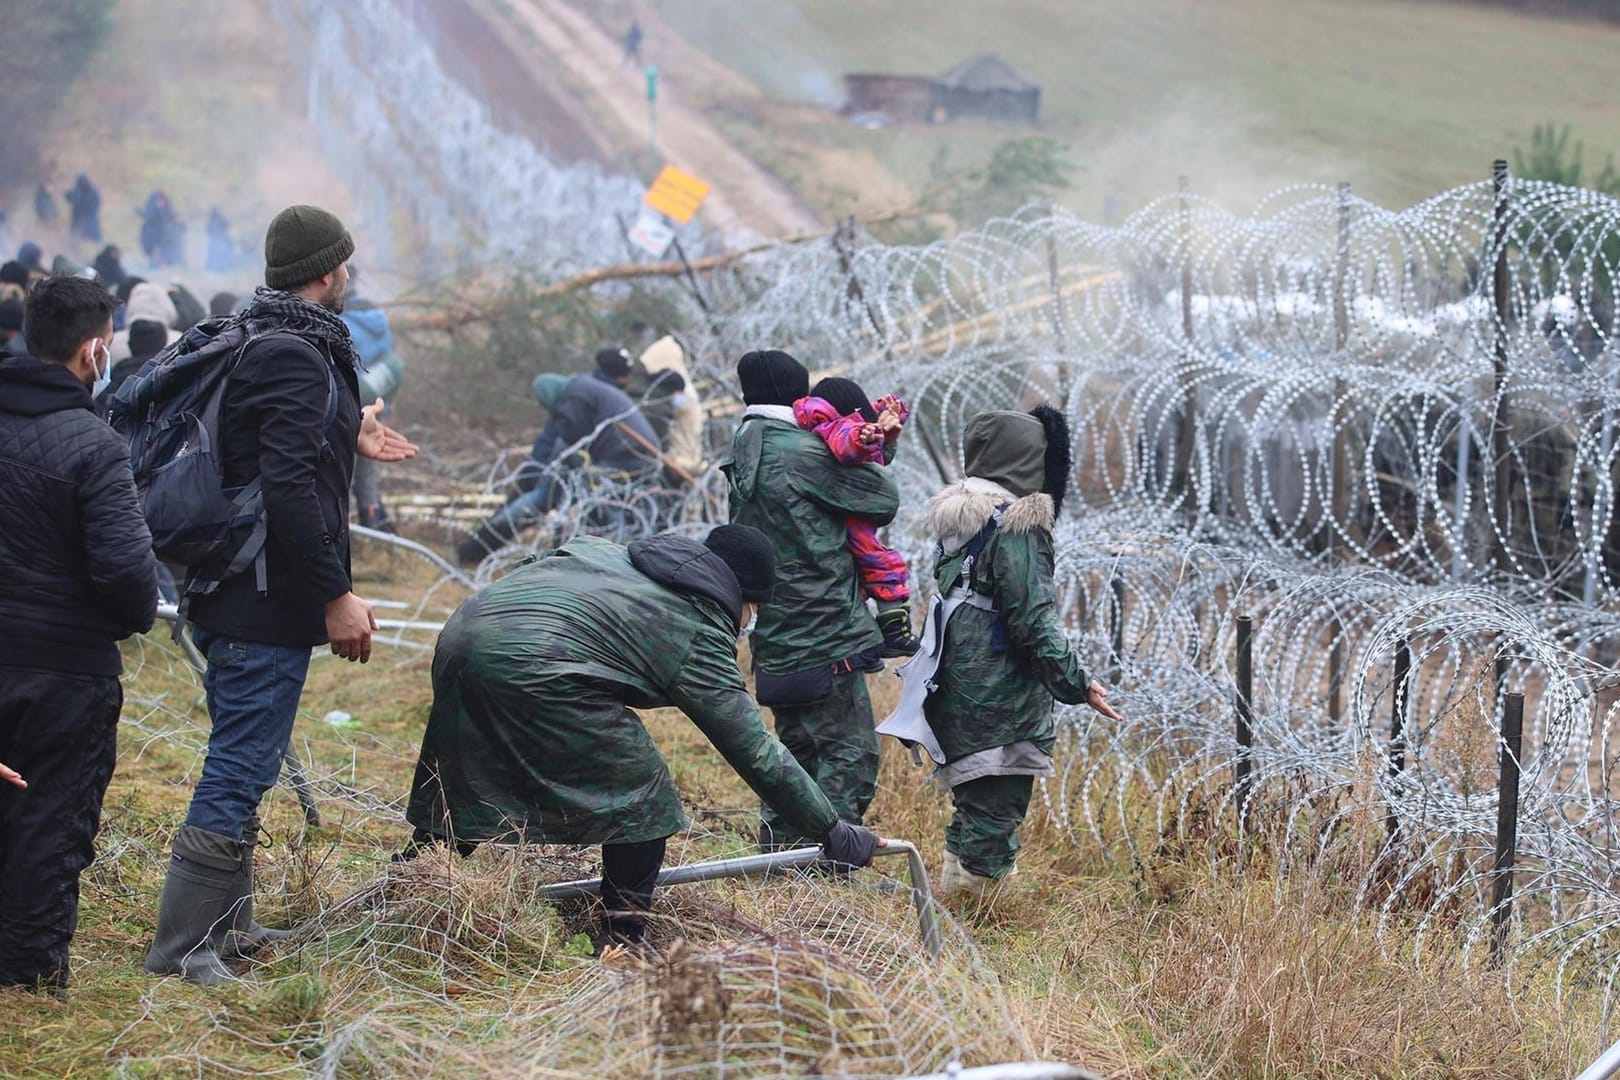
[[786, 483], [534, 679]]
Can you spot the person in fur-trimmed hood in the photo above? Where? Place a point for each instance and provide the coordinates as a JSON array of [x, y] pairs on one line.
[[1002, 668]]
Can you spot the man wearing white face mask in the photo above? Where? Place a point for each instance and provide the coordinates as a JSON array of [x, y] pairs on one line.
[[76, 574], [532, 735]]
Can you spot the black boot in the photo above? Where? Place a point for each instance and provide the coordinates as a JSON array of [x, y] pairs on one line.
[[199, 906], [247, 936], [629, 874], [894, 619]]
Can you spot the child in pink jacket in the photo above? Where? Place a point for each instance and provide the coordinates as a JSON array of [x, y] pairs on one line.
[[859, 431]]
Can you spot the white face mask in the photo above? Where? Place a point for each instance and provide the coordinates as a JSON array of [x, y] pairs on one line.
[[677, 400], [104, 373], [748, 627]]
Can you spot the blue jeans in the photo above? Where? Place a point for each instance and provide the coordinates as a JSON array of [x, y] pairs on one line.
[[253, 691], [529, 507]]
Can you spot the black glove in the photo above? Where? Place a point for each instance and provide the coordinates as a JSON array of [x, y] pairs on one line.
[[849, 845]]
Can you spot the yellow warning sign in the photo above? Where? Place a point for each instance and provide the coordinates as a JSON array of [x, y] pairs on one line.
[[676, 194]]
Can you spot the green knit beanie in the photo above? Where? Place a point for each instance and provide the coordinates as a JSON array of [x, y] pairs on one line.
[[1006, 448], [302, 244]]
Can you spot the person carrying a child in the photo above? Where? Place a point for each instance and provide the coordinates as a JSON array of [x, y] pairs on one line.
[[860, 431]]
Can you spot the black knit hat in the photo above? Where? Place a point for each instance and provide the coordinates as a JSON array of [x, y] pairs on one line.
[[614, 362], [846, 396], [749, 555], [302, 244], [772, 377]]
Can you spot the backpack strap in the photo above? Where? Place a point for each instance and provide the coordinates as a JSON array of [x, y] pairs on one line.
[[975, 548]]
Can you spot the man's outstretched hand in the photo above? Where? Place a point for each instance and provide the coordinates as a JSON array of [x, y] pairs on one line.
[[378, 441], [12, 776]]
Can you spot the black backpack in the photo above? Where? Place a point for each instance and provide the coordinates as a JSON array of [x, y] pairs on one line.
[[169, 412]]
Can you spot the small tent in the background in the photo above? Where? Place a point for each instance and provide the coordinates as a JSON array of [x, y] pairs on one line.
[[983, 87], [986, 87]]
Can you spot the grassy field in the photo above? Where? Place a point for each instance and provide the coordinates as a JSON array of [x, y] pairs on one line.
[[1400, 97], [1165, 966]]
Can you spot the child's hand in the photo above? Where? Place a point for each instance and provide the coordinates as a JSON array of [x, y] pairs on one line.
[[889, 403], [870, 435]]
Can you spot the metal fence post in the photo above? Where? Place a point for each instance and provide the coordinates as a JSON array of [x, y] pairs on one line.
[[1245, 714], [1186, 455], [1507, 822], [1338, 506], [1502, 304], [1054, 279], [1116, 611], [1397, 725]]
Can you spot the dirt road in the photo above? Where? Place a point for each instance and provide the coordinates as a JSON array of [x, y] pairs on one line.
[[746, 199], [473, 46]]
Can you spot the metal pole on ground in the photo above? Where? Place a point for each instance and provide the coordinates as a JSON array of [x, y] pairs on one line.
[[775, 862]]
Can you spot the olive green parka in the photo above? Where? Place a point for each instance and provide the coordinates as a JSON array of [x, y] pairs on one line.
[[1001, 669]]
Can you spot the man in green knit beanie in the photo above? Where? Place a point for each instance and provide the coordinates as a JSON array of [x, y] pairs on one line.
[[290, 419]]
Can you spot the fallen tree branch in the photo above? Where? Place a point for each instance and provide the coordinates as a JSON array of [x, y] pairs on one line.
[[447, 316]]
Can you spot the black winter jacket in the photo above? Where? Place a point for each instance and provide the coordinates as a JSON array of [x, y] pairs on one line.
[[76, 566], [275, 406]]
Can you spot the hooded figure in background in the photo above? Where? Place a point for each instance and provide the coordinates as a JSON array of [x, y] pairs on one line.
[[221, 257], [683, 436], [85, 220], [110, 265], [532, 736], [150, 302], [1005, 656]]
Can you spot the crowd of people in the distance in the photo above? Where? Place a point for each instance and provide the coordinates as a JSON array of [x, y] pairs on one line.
[[161, 234]]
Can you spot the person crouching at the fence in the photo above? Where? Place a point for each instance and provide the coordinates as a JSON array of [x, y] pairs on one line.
[[531, 736], [1005, 655]]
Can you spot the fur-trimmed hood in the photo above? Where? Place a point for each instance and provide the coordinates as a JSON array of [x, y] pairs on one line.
[[956, 514]]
